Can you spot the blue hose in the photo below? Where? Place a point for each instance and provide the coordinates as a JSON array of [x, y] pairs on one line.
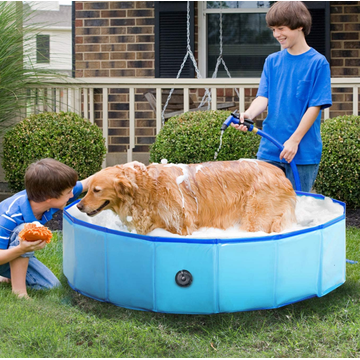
[[281, 147], [250, 125]]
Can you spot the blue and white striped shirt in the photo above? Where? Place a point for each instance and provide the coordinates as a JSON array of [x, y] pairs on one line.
[[17, 210]]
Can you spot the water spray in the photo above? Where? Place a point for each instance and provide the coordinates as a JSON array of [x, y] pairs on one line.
[[235, 118]]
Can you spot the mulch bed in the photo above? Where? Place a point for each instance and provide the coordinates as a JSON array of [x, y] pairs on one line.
[[56, 222], [352, 219]]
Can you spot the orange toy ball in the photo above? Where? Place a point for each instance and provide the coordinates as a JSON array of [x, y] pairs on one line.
[[31, 232]]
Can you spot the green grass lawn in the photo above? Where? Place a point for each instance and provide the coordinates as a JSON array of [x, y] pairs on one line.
[[63, 323]]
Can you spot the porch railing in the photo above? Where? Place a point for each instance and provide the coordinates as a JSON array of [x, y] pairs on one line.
[[78, 95]]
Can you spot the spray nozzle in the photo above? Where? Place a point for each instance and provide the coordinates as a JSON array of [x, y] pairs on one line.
[[235, 118]]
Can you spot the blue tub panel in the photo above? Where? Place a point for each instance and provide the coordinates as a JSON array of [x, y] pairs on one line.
[[246, 276], [69, 254], [130, 272], [200, 261], [90, 261], [334, 257], [298, 268]]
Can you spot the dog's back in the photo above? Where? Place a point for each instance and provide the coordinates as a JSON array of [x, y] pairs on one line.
[[251, 193]]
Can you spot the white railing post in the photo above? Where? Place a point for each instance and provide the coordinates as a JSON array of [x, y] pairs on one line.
[[131, 123], [158, 110], [356, 100], [105, 121], [213, 98], [86, 104], [61, 98], [78, 101], [66, 98], [92, 112], [49, 99], [242, 100], [186, 99], [41, 99], [58, 100], [72, 100], [326, 113]]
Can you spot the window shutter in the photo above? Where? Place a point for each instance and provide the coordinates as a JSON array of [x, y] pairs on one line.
[[171, 39], [319, 37]]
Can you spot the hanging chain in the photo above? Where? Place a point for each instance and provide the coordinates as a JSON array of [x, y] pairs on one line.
[[220, 60], [192, 57]]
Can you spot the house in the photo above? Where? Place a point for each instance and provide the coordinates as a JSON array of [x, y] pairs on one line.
[[51, 48], [147, 39]]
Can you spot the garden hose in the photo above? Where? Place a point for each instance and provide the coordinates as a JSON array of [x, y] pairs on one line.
[[234, 118]]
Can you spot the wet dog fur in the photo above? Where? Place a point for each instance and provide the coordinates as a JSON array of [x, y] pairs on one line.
[[183, 198]]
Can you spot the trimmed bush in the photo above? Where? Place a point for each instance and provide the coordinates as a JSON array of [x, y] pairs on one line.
[[65, 137], [193, 137], [339, 172]]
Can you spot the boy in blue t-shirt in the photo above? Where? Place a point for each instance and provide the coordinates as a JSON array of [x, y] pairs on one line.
[[295, 86], [49, 186]]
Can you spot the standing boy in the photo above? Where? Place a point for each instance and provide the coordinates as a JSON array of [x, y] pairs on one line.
[[49, 185], [295, 86]]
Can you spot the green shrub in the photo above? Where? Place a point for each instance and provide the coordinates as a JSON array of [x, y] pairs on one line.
[[194, 137], [65, 137], [340, 164]]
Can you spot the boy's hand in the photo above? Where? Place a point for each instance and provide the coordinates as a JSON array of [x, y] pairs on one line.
[[28, 246], [289, 151], [241, 127], [85, 183]]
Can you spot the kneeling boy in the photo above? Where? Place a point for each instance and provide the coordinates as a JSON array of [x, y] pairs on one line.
[[49, 185]]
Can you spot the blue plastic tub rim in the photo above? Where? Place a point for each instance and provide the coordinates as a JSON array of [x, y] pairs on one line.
[[211, 241]]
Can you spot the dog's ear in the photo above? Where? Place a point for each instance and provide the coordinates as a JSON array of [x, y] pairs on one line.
[[124, 186]]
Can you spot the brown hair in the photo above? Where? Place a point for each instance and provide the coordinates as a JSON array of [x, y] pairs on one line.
[[293, 14], [48, 178]]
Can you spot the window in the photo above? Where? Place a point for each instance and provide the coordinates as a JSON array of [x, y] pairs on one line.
[[246, 40], [171, 39], [42, 49]]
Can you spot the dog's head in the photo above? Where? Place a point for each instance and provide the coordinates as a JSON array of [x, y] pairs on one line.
[[111, 188]]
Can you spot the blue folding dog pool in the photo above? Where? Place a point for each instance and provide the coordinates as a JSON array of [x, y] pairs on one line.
[[203, 276]]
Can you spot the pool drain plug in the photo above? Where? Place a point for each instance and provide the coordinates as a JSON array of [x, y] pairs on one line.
[[183, 278]]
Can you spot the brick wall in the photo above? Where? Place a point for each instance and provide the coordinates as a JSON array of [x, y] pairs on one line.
[[345, 51], [116, 39]]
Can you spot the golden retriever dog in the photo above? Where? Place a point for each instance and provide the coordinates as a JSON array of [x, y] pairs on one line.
[[183, 198]]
